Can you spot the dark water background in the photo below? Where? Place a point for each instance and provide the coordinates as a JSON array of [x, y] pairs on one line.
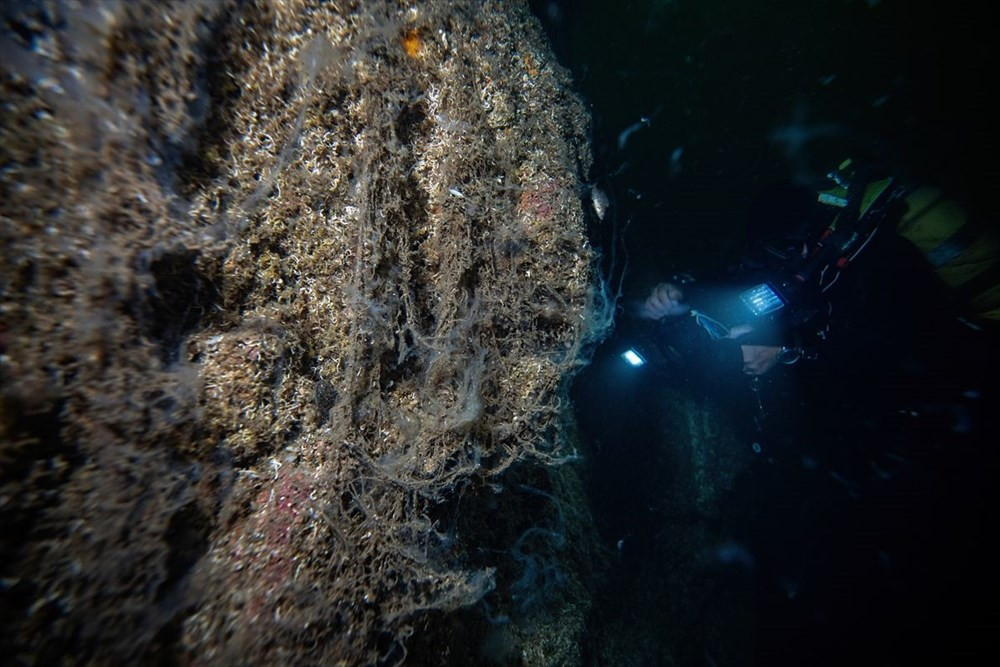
[[862, 532]]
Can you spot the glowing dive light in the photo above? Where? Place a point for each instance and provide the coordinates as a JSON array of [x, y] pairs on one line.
[[633, 358], [762, 300]]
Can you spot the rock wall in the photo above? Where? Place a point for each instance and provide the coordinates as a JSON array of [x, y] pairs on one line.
[[280, 280]]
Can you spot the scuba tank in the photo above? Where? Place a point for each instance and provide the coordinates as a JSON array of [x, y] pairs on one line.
[[965, 256]]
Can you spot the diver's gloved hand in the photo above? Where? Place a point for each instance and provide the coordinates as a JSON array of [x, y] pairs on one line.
[[666, 300], [759, 359]]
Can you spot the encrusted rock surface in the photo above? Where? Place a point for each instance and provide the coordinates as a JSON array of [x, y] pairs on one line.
[[281, 281]]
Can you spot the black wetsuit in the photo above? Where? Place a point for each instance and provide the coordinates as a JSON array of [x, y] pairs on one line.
[[891, 331]]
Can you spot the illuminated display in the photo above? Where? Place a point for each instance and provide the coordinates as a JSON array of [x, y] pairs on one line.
[[762, 299]]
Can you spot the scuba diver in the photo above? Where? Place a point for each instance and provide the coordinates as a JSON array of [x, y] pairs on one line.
[[858, 329], [869, 280]]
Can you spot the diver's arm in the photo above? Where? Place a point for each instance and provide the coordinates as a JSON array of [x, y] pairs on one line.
[[666, 300]]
